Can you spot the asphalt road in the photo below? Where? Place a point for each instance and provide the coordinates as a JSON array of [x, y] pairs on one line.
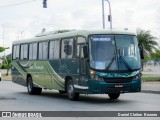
[[14, 97]]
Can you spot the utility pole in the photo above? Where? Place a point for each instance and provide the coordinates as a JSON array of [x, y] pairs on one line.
[[103, 16], [3, 45], [44, 3], [109, 16], [22, 35]]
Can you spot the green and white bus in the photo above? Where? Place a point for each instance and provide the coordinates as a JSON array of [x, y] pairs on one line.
[[78, 62]]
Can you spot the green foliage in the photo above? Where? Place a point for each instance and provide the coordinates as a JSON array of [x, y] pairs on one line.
[[7, 63], [3, 49], [4, 66], [155, 55], [147, 40], [146, 58]]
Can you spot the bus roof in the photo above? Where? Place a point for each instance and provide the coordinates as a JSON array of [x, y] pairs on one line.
[[53, 35]]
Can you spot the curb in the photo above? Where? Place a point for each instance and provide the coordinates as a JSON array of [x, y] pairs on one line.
[[6, 80], [150, 91]]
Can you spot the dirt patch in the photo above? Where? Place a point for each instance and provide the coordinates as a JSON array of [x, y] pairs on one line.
[[8, 77]]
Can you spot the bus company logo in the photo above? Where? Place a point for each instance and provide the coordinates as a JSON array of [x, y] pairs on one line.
[[34, 66], [6, 114], [103, 74]]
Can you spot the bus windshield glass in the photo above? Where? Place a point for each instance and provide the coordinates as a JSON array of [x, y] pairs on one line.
[[114, 52]]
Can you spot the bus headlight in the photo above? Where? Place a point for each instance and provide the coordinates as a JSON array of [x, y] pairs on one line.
[[92, 73], [136, 77], [95, 77]]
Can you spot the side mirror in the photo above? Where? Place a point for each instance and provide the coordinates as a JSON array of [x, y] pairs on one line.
[[141, 51], [85, 51]]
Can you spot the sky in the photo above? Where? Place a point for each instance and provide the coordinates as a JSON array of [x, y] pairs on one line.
[[26, 20]]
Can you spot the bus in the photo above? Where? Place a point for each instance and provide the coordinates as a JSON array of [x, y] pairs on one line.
[[78, 62]]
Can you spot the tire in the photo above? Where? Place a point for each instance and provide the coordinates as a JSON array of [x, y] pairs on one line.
[[31, 89], [114, 95], [72, 95], [62, 92]]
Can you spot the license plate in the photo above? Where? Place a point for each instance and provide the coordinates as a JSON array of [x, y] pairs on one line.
[[118, 86]]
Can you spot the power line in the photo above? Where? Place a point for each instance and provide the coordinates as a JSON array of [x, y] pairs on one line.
[[11, 5]]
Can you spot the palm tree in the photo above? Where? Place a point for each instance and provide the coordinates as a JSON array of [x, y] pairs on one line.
[[147, 40], [3, 49]]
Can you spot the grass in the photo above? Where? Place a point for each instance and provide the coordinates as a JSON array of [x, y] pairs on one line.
[[151, 79]]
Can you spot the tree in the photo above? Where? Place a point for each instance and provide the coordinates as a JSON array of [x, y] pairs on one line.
[[3, 49], [155, 56], [147, 40], [6, 65]]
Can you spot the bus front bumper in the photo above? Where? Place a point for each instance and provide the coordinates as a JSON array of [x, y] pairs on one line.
[[100, 87]]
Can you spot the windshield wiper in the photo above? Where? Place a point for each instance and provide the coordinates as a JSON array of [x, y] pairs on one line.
[[128, 66], [111, 63]]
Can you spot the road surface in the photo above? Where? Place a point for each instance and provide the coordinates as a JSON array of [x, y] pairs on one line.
[[14, 97]]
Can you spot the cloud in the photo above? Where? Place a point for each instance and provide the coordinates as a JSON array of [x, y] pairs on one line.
[[77, 14]]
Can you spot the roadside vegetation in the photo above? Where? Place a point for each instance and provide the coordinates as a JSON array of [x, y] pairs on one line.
[[6, 64], [151, 79], [150, 47]]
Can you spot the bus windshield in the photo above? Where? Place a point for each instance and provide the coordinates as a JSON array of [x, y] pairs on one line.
[[114, 52]]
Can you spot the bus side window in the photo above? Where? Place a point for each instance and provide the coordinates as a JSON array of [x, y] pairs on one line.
[[80, 41], [30, 51], [67, 48], [40, 51], [51, 49], [24, 52], [33, 51], [43, 50], [15, 52], [54, 49]]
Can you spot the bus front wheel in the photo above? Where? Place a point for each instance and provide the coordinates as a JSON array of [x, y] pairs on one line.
[[72, 95], [31, 89], [62, 92], [114, 95]]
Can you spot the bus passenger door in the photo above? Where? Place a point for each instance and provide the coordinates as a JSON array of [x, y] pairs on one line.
[[82, 66]]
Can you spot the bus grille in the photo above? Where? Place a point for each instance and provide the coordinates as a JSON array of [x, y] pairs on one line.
[[118, 80]]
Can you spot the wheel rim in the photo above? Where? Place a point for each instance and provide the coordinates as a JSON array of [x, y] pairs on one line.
[[29, 86], [70, 91]]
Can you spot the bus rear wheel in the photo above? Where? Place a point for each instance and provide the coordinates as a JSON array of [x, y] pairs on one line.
[[72, 95], [114, 95], [31, 89]]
